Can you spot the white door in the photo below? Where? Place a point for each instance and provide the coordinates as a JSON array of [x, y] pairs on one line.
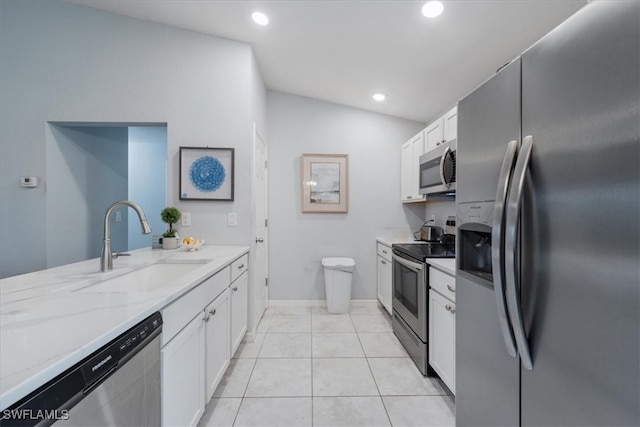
[[260, 244]]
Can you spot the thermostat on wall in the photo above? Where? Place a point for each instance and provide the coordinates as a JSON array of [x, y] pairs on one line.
[[29, 181]]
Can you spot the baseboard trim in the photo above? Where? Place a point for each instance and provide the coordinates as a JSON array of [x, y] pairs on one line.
[[314, 302]]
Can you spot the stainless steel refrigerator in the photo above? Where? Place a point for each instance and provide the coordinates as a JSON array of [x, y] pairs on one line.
[[548, 268]]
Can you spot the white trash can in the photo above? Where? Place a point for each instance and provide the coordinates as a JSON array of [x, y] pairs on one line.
[[337, 281]]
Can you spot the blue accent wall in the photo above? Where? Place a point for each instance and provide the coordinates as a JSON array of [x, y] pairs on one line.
[[147, 180]]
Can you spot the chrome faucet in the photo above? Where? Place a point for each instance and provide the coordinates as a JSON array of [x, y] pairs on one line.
[[107, 257]]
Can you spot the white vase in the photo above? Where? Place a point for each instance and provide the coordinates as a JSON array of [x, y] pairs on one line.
[[169, 243]]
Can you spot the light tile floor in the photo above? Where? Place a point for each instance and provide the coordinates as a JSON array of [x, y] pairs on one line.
[[307, 367]]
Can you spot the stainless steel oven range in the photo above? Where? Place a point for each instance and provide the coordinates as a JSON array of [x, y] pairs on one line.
[[411, 293]]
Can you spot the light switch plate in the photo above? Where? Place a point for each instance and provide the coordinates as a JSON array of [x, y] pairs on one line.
[[232, 219], [186, 219]]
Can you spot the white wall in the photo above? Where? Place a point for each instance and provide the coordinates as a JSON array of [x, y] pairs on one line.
[[297, 241], [69, 63]]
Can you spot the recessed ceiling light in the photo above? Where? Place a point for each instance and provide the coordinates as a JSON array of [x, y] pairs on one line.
[[379, 97], [432, 9], [260, 18]]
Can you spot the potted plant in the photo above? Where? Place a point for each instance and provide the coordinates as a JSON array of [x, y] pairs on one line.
[[170, 216]]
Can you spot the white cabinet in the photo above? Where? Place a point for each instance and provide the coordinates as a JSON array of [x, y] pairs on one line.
[[443, 129], [409, 169], [239, 303], [450, 124], [442, 333], [183, 376], [385, 276], [434, 135], [217, 341]]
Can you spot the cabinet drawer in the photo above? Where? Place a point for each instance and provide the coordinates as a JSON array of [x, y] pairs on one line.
[[384, 251], [239, 266], [176, 315], [443, 283]]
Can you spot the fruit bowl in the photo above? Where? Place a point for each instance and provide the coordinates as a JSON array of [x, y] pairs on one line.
[[191, 244]]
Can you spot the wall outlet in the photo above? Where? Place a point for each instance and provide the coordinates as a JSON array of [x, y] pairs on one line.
[[433, 218], [232, 219], [186, 219], [118, 216]]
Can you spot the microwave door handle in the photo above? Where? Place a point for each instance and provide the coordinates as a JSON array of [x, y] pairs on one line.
[[511, 237], [411, 265], [442, 160], [497, 246]]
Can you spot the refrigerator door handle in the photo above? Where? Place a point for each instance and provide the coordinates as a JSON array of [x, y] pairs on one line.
[[497, 246], [511, 236]]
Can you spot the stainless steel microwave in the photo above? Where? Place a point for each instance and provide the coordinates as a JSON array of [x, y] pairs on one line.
[[438, 169]]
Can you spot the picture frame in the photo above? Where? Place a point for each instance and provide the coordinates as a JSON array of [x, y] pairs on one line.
[[206, 173], [325, 183]]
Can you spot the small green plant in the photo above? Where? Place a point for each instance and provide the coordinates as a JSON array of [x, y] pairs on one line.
[[170, 216]]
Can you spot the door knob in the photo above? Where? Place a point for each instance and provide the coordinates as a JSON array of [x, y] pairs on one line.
[[259, 240]]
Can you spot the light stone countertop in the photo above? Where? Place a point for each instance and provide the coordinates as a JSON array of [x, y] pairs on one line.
[[388, 241], [52, 319], [446, 265]]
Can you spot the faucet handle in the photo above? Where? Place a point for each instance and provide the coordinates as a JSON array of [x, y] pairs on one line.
[[115, 255]]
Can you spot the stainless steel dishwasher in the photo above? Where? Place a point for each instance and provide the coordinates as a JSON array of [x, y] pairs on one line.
[[117, 385]]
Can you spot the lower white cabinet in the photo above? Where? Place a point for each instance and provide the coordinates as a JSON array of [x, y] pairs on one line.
[[385, 276], [217, 341], [239, 307], [442, 338], [183, 376], [200, 328]]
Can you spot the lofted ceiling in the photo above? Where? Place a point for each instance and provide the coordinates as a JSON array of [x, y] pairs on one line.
[[343, 51]]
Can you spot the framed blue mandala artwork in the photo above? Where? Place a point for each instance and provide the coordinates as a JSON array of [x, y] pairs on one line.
[[206, 173]]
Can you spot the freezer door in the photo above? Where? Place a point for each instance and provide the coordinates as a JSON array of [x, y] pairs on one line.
[[487, 378], [580, 224], [487, 120]]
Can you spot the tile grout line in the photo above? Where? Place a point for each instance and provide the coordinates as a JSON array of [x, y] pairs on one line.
[[311, 337]]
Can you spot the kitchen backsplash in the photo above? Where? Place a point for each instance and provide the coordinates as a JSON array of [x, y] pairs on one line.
[[441, 210]]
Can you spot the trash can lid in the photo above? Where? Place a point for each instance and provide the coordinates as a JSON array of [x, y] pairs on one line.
[[338, 262]]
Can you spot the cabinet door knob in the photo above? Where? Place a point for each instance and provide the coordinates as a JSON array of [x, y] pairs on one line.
[[212, 312], [206, 318], [383, 261], [384, 252], [241, 266], [451, 289], [259, 240], [235, 289]]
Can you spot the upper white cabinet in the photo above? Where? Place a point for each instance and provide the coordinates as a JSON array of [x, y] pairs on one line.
[[443, 129], [409, 168], [434, 135], [450, 124]]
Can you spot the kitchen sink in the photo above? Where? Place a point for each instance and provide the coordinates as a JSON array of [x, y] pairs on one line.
[[146, 279]]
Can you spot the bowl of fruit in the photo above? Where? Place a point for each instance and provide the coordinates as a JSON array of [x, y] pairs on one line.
[[191, 244]]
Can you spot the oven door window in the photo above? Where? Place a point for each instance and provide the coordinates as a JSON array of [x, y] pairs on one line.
[[405, 285]]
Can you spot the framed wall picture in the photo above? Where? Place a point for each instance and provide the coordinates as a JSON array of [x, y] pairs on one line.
[[325, 186], [206, 173]]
